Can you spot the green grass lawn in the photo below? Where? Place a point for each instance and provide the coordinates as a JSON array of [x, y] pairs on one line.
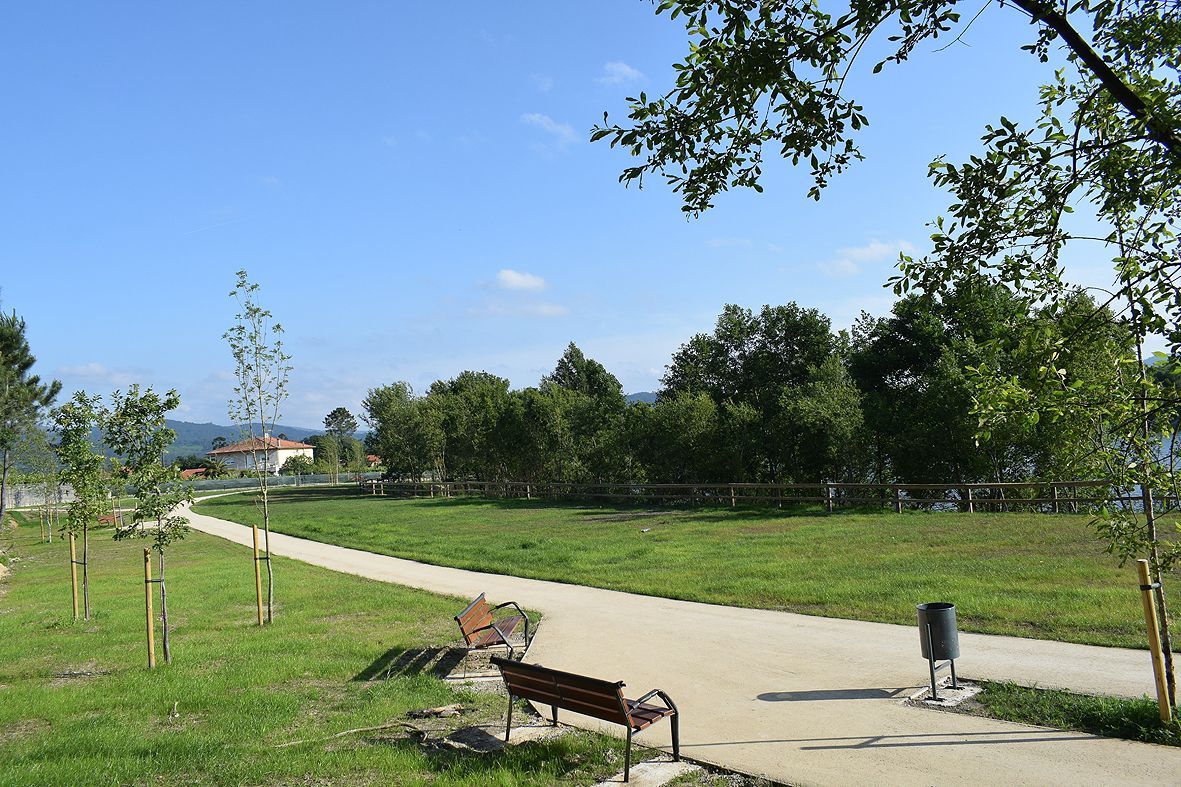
[[1033, 575], [78, 705], [1114, 717]]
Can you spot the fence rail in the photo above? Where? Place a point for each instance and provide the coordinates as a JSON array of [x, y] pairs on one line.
[[1049, 496]]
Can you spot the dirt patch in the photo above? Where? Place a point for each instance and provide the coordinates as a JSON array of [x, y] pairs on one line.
[[74, 674], [23, 729]]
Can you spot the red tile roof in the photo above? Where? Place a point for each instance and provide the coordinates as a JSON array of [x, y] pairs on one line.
[[257, 444], [192, 472]]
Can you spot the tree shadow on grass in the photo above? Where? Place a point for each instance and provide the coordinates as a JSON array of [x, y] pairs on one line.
[[438, 661]]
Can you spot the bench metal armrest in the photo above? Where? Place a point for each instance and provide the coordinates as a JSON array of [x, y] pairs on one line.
[[520, 611], [664, 697]]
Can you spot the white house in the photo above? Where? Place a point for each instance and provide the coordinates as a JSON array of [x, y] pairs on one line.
[[270, 452]]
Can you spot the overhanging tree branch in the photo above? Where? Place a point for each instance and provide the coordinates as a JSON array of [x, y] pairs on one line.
[[1119, 90]]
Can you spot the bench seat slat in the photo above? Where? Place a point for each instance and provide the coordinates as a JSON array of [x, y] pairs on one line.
[[645, 715], [507, 625]]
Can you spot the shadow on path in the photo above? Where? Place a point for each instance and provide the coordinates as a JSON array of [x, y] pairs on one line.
[[831, 694], [1004, 737]]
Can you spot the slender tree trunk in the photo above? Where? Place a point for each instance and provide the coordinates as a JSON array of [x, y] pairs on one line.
[[4, 487], [164, 612], [266, 543], [1150, 514], [85, 576]]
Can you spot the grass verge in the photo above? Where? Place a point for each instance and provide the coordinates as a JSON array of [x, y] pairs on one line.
[[78, 706], [1032, 575], [1113, 717]]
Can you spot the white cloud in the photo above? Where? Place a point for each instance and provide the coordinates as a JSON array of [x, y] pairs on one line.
[[97, 373], [617, 73], [848, 261], [562, 132], [509, 279]]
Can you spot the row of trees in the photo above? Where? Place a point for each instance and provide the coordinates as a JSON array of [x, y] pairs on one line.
[[774, 396], [131, 427]]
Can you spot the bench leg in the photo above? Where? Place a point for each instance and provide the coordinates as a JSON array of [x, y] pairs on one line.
[[627, 757], [555, 709], [509, 727], [676, 722]]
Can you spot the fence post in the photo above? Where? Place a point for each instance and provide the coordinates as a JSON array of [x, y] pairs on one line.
[[897, 498], [732, 496], [971, 505], [1054, 495], [827, 495]]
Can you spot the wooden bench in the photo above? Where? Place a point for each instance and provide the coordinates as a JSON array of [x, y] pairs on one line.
[[481, 630], [602, 699]]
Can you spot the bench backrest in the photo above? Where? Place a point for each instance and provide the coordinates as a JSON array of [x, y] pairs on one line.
[[601, 699], [477, 615]]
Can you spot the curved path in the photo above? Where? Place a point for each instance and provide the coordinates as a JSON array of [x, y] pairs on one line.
[[799, 699]]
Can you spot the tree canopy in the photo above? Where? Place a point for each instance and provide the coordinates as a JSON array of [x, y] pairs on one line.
[[1106, 143], [24, 397]]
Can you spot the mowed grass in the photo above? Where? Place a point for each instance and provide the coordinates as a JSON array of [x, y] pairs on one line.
[[78, 705], [1031, 575], [1114, 717]]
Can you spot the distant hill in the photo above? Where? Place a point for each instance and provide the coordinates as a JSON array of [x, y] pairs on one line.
[[642, 396], [198, 438]]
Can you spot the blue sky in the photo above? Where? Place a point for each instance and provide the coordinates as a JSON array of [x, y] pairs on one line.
[[413, 189]]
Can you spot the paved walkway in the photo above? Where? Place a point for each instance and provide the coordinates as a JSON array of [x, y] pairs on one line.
[[799, 699]]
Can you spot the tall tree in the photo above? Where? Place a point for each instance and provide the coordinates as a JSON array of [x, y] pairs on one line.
[[83, 468], [23, 396], [340, 423], [400, 431], [592, 406], [261, 369], [468, 408], [135, 430], [750, 359], [1107, 140]]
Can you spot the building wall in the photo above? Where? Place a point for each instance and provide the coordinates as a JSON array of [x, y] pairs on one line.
[[244, 460]]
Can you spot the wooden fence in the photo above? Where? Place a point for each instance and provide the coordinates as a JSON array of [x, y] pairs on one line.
[[1049, 496]]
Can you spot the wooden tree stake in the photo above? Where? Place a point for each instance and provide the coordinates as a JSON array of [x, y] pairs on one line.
[[148, 607], [74, 573], [257, 575], [1154, 643]]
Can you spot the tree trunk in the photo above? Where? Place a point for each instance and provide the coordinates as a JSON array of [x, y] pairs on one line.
[[1146, 460], [85, 566], [266, 543], [164, 613], [4, 487]]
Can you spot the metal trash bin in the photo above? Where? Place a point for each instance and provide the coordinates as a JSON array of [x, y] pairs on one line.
[[944, 641], [939, 639]]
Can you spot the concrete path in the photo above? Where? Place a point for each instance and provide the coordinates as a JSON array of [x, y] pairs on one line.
[[799, 699]]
